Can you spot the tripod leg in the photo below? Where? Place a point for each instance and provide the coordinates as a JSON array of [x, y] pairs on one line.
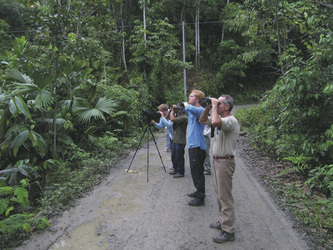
[[157, 148], [136, 150]]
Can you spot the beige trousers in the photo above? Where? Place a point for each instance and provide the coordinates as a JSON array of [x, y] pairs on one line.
[[223, 172]]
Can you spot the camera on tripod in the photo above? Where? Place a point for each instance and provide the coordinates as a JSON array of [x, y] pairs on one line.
[[150, 115]]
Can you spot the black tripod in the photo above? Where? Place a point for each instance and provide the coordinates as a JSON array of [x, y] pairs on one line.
[[147, 130]]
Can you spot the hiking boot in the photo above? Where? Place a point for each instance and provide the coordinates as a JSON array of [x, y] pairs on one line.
[[216, 225], [197, 202], [178, 175], [173, 172], [193, 195], [223, 237]]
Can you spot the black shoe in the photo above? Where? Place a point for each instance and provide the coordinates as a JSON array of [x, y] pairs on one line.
[[178, 175], [216, 225], [197, 202], [193, 195], [173, 172], [223, 237]]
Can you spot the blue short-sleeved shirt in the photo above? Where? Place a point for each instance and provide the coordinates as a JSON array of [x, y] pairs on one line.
[[195, 136]]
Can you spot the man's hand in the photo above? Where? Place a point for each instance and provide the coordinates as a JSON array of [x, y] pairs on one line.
[[152, 122], [183, 104], [214, 101]]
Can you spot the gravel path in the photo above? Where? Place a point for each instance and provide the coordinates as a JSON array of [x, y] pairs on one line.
[[128, 212]]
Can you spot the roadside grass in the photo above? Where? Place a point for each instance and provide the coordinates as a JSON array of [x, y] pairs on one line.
[[312, 210], [309, 208]]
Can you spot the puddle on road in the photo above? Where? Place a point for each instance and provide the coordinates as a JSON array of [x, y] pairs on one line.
[[120, 202], [113, 213]]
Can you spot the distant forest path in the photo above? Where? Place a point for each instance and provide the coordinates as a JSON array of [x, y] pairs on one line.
[[128, 212]]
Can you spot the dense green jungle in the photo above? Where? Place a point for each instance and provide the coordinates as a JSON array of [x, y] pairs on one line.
[[77, 74]]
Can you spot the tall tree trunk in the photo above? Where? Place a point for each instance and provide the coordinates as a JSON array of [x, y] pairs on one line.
[[222, 36], [278, 32], [182, 16], [197, 35], [144, 21], [123, 55], [284, 30], [182, 13], [55, 110], [144, 36]]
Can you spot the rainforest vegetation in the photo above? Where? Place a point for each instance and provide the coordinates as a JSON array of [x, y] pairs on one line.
[[76, 75]]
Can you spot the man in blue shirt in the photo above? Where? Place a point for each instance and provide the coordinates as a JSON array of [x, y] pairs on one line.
[[196, 146]]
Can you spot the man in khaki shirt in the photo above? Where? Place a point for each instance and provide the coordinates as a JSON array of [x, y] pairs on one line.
[[224, 148]]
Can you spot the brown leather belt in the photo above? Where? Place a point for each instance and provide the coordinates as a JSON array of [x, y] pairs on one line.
[[223, 157]]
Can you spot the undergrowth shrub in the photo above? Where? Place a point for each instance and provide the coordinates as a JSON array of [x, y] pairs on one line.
[[315, 212], [322, 178], [17, 227]]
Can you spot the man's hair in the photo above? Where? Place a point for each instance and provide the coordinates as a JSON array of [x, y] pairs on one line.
[[198, 94], [163, 107], [228, 100]]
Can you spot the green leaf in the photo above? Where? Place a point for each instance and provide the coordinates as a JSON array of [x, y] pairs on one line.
[[33, 138], [40, 143], [3, 205], [86, 114], [44, 99], [20, 139], [120, 113], [5, 190], [17, 75], [22, 106], [12, 107], [106, 105], [22, 195], [8, 210]]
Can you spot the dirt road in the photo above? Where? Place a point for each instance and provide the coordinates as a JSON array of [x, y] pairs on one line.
[[127, 212]]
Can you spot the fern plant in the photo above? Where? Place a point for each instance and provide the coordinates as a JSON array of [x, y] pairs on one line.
[[300, 165], [13, 199]]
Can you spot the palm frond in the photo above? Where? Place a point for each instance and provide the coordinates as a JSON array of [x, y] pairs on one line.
[[44, 99], [85, 114], [106, 105]]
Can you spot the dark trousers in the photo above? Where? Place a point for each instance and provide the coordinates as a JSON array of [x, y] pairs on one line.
[[197, 158], [178, 161], [171, 146]]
